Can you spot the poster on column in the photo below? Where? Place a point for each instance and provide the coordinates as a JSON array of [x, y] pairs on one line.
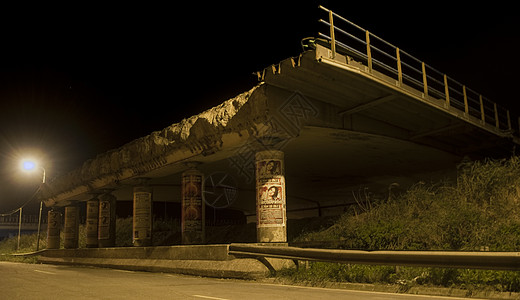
[[53, 223], [192, 214], [104, 220], [268, 171], [142, 215], [92, 220], [270, 193]]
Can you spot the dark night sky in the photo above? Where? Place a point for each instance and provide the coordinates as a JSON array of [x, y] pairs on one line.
[[78, 81]]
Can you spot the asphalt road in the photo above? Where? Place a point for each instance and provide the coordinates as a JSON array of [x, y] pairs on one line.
[[33, 281]]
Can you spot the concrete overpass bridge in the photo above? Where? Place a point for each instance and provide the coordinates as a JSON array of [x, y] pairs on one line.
[[317, 131]]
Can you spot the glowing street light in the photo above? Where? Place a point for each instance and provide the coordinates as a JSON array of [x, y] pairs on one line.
[[29, 166]]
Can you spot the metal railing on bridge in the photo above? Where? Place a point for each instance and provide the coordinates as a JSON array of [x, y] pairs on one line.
[[15, 219], [382, 56]]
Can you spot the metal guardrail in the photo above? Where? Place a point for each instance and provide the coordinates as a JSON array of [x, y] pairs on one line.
[[388, 59], [444, 259]]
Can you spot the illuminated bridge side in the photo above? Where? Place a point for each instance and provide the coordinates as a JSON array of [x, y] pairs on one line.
[[382, 90], [380, 57]]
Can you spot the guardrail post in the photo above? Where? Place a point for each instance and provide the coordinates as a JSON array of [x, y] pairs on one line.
[[508, 120], [466, 107], [497, 122], [482, 113], [333, 39], [399, 70], [424, 78], [369, 52], [446, 91]]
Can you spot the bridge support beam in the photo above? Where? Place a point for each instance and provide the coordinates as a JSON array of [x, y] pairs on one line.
[[271, 225], [142, 216], [107, 221], [53, 229], [71, 227], [193, 210], [92, 223]]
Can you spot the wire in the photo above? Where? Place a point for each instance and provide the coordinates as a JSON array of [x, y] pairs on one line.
[[23, 205]]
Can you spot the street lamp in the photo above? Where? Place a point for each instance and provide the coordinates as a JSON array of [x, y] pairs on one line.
[[31, 165]]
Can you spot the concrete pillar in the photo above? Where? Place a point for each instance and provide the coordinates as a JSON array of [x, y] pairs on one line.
[[193, 212], [271, 225], [92, 223], [142, 225], [53, 229], [71, 227], [107, 221]]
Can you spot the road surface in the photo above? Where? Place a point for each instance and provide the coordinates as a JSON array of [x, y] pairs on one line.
[[34, 281]]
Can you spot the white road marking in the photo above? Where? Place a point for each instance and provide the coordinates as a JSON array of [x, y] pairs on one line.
[[45, 272], [365, 292], [123, 271], [208, 297]]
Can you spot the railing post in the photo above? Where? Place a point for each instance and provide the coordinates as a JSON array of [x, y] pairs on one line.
[[333, 40], [482, 113], [466, 107], [508, 120], [399, 70], [446, 91], [19, 228], [369, 53], [497, 123], [424, 79]]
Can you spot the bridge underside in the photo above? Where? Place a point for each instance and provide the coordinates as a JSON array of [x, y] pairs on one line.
[[343, 132]]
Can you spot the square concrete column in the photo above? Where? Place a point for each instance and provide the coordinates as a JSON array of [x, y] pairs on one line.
[[193, 210], [142, 219], [107, 221], [92, 223], [71, 227], [271, 225], [53, 229]]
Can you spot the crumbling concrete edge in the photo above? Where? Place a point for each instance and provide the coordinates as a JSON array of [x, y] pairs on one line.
[[201, 134]]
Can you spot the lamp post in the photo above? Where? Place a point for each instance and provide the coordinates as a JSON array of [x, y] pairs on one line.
[[29, 165]]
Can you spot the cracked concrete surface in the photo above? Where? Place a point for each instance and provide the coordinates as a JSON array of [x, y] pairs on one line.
[[199, 134]]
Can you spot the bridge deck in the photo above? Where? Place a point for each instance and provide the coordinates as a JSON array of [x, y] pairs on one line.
[[372, 102]]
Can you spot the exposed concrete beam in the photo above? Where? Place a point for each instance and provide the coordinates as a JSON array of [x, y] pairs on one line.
[[366, 106]]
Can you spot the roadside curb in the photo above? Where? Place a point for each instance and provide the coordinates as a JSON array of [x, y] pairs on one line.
[[239, 268], [198, 260]]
